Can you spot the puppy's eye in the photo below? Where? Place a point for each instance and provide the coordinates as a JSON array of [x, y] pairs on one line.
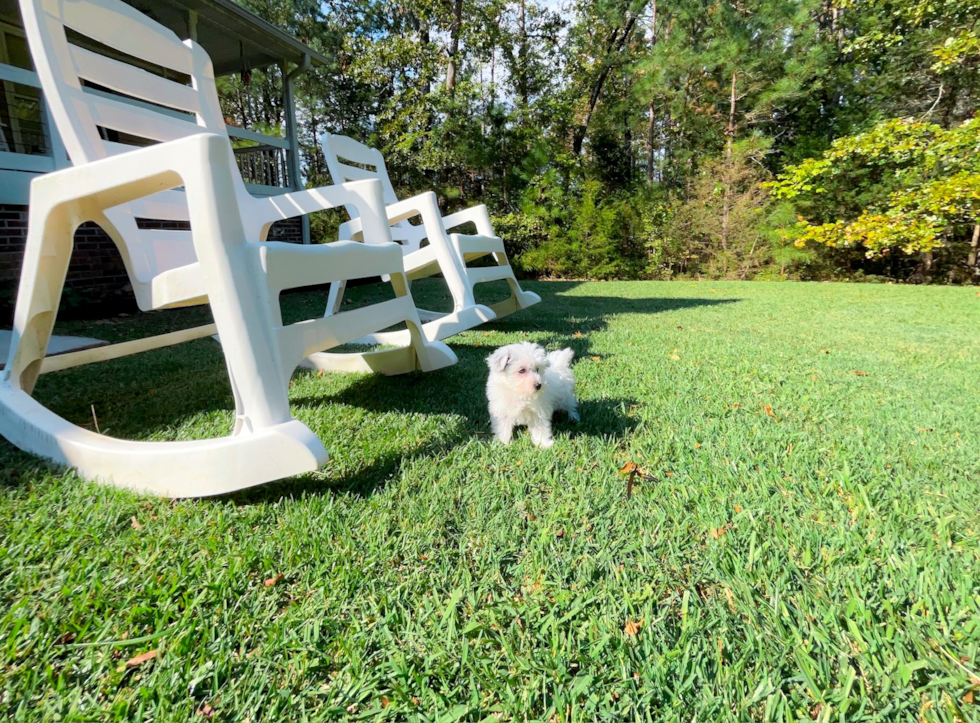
[[522, 371]]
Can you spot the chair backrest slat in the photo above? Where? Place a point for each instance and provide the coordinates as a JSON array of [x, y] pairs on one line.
[[337, 149], [353, 173], [123, 28], [168, 248], [123, 117], [132, 81], [345, 147], [341, 152], [95, 60]]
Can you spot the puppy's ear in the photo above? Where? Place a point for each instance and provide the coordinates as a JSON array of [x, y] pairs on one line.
[[541, 357], [499, 360]]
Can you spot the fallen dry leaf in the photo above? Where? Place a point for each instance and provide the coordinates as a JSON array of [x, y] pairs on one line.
[[319, 372], [561, 533], [577, 335], [968, 698], [632, 628], [675, 357], [738, 508], [768, 410], [134, 523], [138, 660], [861, 374], [206, 710], [597, 358], [628, 467], [385, 702], [275, 580]]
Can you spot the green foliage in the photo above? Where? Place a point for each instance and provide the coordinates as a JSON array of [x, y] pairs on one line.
[[585, 236], [592, 131], [928, 187]]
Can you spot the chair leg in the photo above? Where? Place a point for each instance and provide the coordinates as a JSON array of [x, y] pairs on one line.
[[518, 299], [416, 350], [46, 258], [431, 353], [453, 269], [335, 297], [174, 469]]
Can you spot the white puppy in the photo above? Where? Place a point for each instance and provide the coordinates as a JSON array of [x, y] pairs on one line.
[[526, 386]]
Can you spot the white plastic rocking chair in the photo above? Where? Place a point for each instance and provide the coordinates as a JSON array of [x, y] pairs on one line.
[[448, 253], [221, 261]]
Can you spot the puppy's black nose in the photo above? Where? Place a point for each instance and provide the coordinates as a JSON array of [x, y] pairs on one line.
[[537, 386]]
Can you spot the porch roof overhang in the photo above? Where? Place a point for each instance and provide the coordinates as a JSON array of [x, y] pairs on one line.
[[224, 28]]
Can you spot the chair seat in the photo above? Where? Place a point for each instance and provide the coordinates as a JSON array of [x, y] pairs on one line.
[[174, 288], [422, 263], [288, 266], [474, 247]]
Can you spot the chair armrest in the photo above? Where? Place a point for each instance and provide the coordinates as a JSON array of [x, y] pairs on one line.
[[477, 214], [424, 205], [350, 230], [95, 187], [365, 196]]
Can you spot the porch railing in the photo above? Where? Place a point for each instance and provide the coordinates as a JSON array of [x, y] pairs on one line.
[[26, 141], [29, 144], [263, 162]]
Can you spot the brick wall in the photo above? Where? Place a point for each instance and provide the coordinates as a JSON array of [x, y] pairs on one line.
[[97, 282]]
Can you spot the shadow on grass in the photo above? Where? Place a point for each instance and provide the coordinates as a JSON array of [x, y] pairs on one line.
[[583, 315], [603, 418], [560, 320]]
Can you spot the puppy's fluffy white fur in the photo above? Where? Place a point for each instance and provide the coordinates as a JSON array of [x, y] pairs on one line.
[[527, 385]]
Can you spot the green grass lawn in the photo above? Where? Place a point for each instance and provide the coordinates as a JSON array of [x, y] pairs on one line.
[[806, 545]]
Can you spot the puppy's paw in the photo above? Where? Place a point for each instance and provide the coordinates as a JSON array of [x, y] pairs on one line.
[[574, 416], [546, 443], [503, 440]]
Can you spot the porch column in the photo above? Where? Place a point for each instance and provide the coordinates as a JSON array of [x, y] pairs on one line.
[[293, 157]]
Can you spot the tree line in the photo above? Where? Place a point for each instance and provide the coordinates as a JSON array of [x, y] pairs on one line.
[[808, 139]]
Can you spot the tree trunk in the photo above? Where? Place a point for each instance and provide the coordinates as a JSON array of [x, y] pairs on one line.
[[971, 260], [727, 205], [454, 31], [923, 271], [652, 115], [522, 91], [615, 44], [424, 40], [651, 129]]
